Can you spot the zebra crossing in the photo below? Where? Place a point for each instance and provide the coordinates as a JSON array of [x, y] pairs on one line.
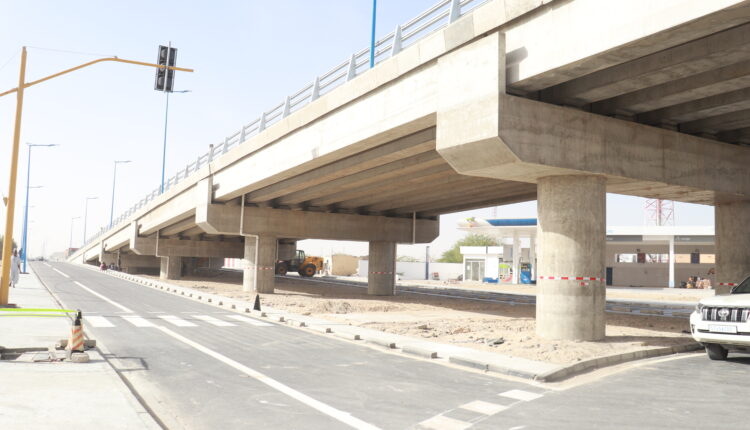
[[191, 320]]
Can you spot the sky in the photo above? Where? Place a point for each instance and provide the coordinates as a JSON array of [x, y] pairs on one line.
[[247, 55]]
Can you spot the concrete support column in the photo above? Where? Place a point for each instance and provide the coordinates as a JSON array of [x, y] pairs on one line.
[[381, 268], [671, 261], [572, 236], [259, 264], [532, 256], [732, 239], [189, 266], [516, 258], [171, 268]]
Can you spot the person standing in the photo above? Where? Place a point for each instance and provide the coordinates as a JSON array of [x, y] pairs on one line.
[[15, 268]]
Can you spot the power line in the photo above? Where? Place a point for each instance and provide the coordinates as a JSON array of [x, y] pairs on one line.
[[10, 59]]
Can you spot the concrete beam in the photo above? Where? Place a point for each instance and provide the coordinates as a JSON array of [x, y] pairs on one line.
[[199, 248], [697, 109], [220, 219], [414, 144]]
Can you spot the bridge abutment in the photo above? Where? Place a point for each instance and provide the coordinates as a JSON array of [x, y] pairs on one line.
[[381, 268], [572, 235], [732, 221]]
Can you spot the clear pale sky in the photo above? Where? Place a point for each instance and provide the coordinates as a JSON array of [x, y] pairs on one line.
[[247, 55]]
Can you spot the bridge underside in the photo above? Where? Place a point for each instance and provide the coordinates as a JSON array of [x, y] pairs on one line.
[[470, 118]]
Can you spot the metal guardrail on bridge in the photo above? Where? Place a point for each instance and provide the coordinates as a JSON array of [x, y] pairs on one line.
[[433, 19]]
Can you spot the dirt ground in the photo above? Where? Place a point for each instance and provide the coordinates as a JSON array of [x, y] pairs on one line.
[[502, 328]]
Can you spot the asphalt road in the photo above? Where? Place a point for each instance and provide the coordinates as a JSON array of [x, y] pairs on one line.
[[199, 367]]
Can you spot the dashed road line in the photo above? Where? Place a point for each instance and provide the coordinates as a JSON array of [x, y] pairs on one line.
[[106, 299], [250, 321], [97, 321], [483, 407], [138, 321], [441, 422], [60, 272]]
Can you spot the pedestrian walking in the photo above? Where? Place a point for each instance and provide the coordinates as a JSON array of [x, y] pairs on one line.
[[15, 268]]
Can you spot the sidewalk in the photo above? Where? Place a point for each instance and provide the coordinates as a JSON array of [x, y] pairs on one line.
[[52, 395]]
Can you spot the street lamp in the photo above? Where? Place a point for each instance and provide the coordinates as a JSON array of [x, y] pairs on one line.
[[24, 242], [70, 244], [114, 179], [164, 150], [85, 217], [372, 38]]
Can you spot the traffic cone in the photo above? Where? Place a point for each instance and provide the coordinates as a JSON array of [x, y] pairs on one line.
[[75, 345], [256, 306]]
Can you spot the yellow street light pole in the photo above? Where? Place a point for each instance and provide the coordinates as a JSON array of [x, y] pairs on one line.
[[10, 209], [8, 240]]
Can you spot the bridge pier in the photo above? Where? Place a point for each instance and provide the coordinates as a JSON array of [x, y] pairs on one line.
[[382, 268], [732, 244], [259, 275], [572, 235], [170, 268]]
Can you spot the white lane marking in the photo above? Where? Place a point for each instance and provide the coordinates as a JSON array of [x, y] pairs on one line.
[[520, 395], [249, 321], [179, 322], [97, 321], [102, 297], [342, 416], [60, 272], [481, 407], [138, 321], [215, 321], [441, 422]]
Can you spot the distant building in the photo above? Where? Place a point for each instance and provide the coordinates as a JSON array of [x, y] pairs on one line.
[[647, 256]]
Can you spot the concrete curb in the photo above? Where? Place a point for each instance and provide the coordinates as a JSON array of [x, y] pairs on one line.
[[611, 360], [479, 360]]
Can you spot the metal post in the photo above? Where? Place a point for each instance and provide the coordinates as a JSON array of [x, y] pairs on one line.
[[70, 244], [372, 38], [24, 244], [10, 210], [164, 150], [85, 217], [427, 263], [114, 180]]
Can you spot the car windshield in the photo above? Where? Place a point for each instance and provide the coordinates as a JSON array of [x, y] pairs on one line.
[[743, 288]]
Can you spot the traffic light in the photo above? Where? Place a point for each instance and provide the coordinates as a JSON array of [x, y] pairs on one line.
[[164, 77]]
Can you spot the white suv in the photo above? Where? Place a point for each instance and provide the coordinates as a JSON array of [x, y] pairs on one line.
[[722, 322]]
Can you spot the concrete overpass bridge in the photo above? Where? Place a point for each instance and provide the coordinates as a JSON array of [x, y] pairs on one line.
[[475, 104]]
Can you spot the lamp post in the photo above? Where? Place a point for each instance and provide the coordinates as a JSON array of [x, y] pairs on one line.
[[164, 149], [24, 242], [372, 38], [114, 180], [85, 217], [70, 244]]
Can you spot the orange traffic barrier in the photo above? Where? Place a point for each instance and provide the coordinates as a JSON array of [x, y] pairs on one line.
[[75, 343]]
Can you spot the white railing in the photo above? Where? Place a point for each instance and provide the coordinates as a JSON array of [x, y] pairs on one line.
[[435, 18]]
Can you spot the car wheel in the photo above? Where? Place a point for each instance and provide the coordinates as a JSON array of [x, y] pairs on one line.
[[716, 351], [308, 271], [281, 269]]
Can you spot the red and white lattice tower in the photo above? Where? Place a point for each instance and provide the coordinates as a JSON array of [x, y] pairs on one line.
[[659, 212]]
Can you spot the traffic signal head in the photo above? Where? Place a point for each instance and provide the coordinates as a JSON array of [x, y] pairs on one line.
[[164, 77]]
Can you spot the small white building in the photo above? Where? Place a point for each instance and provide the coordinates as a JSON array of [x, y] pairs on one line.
[[643, 256]]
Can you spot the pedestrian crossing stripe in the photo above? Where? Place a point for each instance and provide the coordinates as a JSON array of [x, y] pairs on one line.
[[179, 322], [215, 321], [98, 321], [250, 321]]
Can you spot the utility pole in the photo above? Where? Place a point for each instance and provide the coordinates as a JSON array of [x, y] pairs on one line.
[[85, 217], [114, 181], [10, 210], [372, 37], [70, 244], [25, 243]]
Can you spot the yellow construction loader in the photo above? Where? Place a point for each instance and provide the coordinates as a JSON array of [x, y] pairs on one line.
[[302, 264]]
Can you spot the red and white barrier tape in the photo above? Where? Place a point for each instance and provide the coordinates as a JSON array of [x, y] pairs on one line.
[[571, 278], [728, 284], [382, 273]]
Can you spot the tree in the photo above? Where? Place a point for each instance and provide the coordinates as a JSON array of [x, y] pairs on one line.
[[453, 255]]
